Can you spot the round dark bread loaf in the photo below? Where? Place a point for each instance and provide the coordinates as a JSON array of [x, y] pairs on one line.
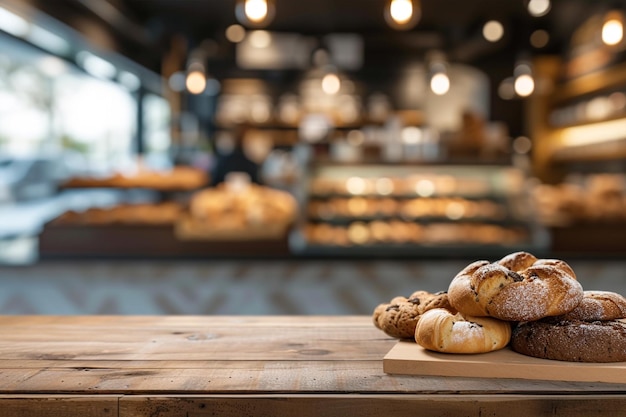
[[571, 340]]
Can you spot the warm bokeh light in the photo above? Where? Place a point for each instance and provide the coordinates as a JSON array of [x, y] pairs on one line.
[[256, 10], [612, 31], [402, 14], [425, 188], [440, 83], [255, 13], [235, 33], [493, 31], [455, 210], [384, 186], [331, 84], [411, 135], [401, 10], [524, 85], [355, 185], [195, 82], [539, 8]]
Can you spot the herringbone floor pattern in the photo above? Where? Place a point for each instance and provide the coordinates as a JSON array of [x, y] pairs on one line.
[[238, 287]]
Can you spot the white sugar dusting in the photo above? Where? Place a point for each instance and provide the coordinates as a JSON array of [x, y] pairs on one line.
[[524, 300], [464, 331]]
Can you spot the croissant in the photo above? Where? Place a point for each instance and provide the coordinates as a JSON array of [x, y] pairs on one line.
[[442, 330]]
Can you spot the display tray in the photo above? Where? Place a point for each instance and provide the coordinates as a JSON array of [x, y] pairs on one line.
[[409, 358]]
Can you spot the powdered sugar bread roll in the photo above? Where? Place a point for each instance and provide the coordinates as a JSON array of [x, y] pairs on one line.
[[441, 330], [519, 287], [599, 305]]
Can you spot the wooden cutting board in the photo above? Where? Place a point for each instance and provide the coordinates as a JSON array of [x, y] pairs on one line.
[[409, 358]]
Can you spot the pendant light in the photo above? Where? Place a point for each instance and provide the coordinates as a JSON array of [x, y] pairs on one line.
[[524, 83], [255, 13], [613, 28], [438, 73], [538, 8], [402, 14]]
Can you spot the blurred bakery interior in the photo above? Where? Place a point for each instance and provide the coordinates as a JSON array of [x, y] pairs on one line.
[[294, 135]]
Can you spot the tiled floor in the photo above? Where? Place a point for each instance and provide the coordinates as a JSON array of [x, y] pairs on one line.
[[244, 287]]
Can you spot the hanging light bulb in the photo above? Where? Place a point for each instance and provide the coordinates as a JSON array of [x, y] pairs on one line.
[[440, 83], [613, 28], [538, 8], [437, 67], [524, 83], [331, 84], [402, 14], [493, 31], [195, 82], [255, 13]]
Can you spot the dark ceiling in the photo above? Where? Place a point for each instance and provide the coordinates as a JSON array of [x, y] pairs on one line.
[[144, 28]]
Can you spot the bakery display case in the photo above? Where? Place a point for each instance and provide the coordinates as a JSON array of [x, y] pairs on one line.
[[415, 210], [577, 122]]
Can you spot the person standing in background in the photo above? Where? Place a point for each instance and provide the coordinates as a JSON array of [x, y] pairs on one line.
[[235, 159]]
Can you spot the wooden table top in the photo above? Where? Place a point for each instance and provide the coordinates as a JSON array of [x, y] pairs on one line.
[[246, 365]]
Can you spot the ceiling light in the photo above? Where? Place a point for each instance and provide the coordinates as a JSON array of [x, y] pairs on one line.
[[255, 13], [524, 85], [331, 84], [538, 8], [613, 28], [235, 33], [195, 82], [438, 70], [440, 83], [493, 31], [402, 14]]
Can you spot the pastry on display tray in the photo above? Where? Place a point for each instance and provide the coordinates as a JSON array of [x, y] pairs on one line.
[[237, 211]]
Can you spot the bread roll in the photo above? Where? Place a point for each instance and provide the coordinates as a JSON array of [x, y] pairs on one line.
[[517, 288], [441, 330]]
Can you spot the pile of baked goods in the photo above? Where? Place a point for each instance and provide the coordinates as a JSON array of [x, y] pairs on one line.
[[596, 198], [393, 231], [454, 208], [535, 306], [242, 212]]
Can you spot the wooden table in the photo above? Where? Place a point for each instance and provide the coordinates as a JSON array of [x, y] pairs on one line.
[[301, 366]]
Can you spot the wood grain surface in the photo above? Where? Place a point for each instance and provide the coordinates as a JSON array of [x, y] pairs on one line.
[[244, 365], [408, 358]]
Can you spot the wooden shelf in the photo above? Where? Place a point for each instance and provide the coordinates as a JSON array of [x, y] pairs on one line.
[[590, 83]]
